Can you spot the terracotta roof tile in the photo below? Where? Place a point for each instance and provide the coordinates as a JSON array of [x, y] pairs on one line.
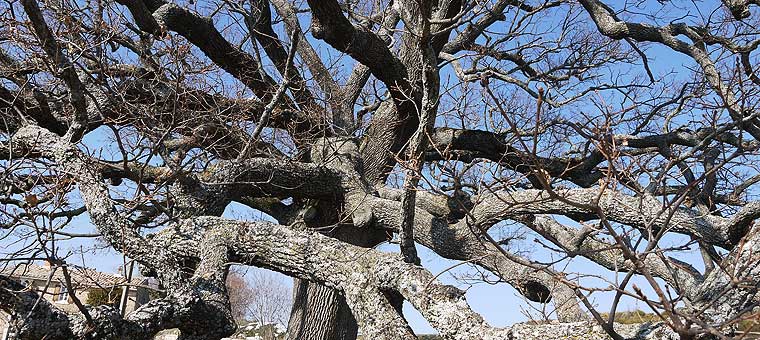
[[80, 276]]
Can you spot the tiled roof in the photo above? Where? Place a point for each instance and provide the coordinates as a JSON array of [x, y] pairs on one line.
[[80, 277]]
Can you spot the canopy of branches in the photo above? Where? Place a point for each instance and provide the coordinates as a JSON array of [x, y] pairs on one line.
[[518, 137]]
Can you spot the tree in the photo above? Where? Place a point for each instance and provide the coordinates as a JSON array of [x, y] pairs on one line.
[[258, 296], [625, 133], [240, 293]]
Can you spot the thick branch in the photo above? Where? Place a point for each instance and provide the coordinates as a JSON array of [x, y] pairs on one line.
[[680, 275], [640, 212], [329, 24], [65, 69]]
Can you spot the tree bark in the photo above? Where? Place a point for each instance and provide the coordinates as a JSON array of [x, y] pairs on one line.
[[319, 313]]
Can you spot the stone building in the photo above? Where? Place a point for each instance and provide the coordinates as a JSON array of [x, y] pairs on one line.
[[89, 286]]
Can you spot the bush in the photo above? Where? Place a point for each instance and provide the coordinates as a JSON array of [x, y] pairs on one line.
[[634, 316], [100, 297]]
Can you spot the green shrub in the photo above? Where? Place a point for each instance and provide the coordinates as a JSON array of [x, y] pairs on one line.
[[634, 316], [99, 297]]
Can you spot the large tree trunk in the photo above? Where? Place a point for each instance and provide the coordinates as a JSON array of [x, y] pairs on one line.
[[319, 313]]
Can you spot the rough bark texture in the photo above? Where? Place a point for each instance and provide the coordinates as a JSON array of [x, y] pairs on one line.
[[319, 313]]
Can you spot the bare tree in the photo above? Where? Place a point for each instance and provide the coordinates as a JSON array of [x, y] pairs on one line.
[[273, 299], [623, 132], [259, 296], [241, 294]]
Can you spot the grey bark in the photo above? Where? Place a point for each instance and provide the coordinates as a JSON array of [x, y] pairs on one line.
[[319, 313]]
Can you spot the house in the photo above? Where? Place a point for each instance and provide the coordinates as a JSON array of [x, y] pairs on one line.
[[90, 287]]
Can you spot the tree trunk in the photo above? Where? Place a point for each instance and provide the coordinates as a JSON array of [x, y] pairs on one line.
[[319, 313]]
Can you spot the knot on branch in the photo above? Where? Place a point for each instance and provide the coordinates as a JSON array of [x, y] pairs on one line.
[[536, 291]]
